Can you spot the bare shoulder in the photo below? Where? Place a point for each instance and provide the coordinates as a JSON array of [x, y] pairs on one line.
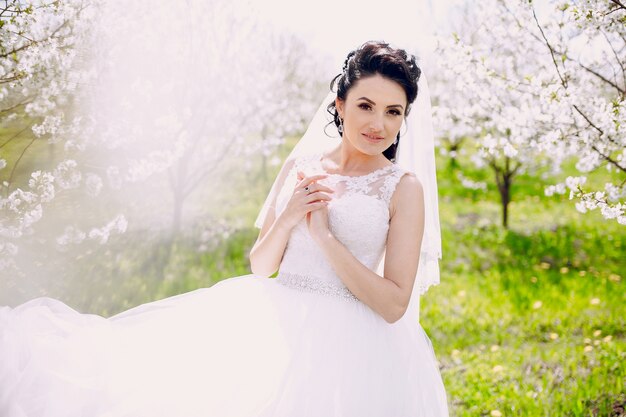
[[409, 194]]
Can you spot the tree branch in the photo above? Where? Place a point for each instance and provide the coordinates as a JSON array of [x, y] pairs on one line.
[[606, 80], [552, 52], [592, 124], [609, 159], [34, 42], [616, 55], [9, 109], [14, 136], [17, 163]]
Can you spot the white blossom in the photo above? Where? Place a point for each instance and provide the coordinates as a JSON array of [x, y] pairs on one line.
[[42, 183], [102, 234], [67, 174], [71, 235], [543, 91], [93, 184], [555, 188]]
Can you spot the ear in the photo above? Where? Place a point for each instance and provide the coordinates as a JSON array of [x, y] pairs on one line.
[[339, 106]]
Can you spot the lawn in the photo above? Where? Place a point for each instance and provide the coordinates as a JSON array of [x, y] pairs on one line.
[[527, 321]]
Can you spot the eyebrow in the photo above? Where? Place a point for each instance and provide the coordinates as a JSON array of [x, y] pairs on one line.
[[367, 99]]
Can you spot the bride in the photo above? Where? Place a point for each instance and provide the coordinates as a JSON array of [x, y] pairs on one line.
[[351, 226]]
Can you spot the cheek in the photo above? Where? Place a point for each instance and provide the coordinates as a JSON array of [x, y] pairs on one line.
[[357, 119], [395, 125]]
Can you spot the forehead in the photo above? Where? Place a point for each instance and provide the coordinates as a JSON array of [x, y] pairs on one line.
[[381, 90]]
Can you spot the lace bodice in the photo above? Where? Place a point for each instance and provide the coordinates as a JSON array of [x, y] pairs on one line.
[[358, 216]]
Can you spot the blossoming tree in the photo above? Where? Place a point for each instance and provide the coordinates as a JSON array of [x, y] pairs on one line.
[[546, 84], [122, 114]]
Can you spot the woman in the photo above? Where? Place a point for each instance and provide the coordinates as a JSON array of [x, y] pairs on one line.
[[327, 337]]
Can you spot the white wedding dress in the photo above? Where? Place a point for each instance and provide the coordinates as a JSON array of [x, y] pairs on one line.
[[299, 345]]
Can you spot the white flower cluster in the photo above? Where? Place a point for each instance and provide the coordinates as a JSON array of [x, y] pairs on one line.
[[93, 184], [532, 109], [50, 125], [606, 201], [67, 174], [472, 185], [73, 235], [117, 225], [42, 183], [21, 209], [555, 188]]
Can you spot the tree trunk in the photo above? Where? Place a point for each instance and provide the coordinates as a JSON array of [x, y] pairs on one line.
[[505, 198], [453, 164], [504, 179]]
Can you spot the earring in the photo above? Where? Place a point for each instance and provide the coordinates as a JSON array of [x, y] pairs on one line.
[[340, 127]]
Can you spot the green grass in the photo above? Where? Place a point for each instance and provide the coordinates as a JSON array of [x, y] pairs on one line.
[[528, 321]]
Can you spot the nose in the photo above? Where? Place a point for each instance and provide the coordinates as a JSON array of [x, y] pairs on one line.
[[377, 123]]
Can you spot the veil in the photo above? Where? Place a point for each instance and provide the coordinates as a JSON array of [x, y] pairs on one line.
[[415, 153]]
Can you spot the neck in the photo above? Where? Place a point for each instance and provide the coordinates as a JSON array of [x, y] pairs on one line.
[[347, 160]]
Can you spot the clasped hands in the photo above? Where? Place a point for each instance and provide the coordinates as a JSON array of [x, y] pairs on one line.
[[310, 200]]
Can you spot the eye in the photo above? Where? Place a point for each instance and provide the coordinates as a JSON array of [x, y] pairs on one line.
[[364, 106], [395, 112]]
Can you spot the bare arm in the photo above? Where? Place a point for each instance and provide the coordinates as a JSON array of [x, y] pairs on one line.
[[269, 248], [389, 295]]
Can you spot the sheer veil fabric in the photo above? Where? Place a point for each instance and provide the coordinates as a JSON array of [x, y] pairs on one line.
[[415, 153]]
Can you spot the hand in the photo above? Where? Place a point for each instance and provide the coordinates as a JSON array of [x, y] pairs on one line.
[[303, 202], [317, 222]]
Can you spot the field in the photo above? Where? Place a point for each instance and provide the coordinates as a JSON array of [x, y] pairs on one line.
[[528, 321]]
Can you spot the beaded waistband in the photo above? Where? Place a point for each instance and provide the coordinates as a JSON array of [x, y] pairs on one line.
[[310, 284]]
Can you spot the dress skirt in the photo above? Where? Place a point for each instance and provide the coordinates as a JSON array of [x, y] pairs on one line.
[[246, 347]]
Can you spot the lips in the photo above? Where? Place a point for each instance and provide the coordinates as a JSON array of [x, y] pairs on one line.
[[373, 138]]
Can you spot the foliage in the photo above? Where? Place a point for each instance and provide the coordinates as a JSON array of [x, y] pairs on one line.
[[542, 87]]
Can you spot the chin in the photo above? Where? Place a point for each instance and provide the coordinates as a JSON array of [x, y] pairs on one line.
[[372, 149]]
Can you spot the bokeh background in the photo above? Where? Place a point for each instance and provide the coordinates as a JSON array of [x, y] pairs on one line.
[[138, 141]]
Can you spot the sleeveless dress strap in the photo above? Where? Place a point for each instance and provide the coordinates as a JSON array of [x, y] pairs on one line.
[[390, 183]]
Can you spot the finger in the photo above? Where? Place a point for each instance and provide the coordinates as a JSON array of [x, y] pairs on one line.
[[308, 180], [317, 196], [319, 187], [316, 206]]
